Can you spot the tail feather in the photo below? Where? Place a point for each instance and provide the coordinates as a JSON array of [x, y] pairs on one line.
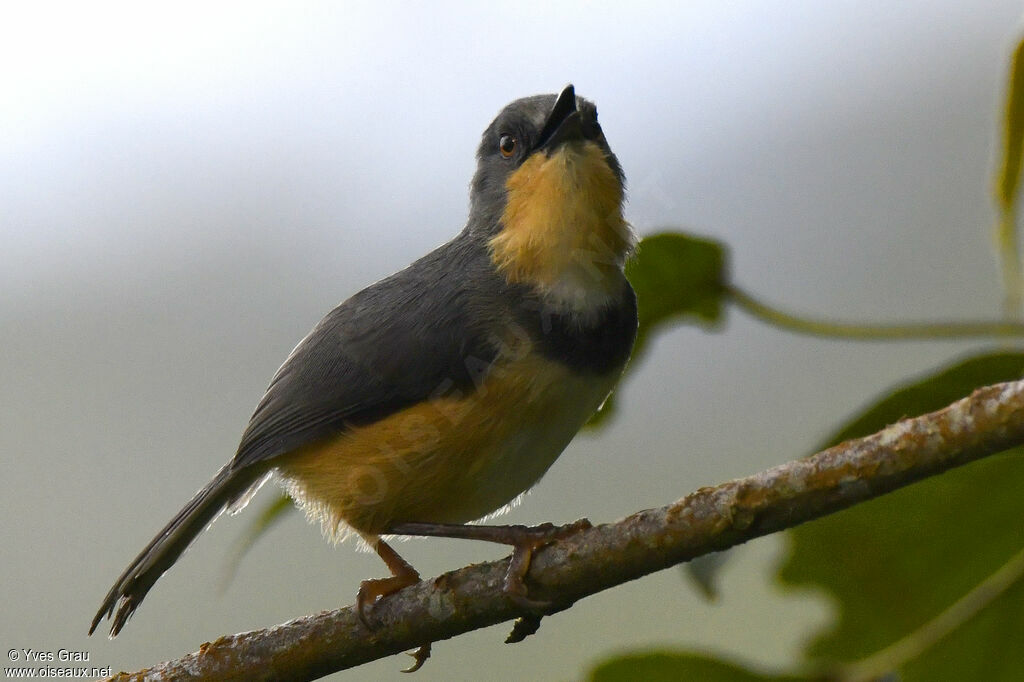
[[162, 551]]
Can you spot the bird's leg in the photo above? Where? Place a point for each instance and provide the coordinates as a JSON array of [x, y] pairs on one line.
[[524, 540], [402, 575]]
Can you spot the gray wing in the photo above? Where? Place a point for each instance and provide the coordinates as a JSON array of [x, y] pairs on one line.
[[390, 346]]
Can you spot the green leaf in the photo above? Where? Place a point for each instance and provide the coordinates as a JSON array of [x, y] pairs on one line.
[[895, 563], [256, 528], [1007, 187], [677, 278], [1008, 182], [931, 393], [987, 648], [679, 667]]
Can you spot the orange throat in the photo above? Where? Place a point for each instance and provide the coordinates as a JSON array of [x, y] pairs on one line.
[[562, 229]]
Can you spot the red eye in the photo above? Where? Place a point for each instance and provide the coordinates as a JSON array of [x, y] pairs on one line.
[[507, 145]]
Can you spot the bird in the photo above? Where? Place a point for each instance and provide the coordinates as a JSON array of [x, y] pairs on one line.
[[437, 396]]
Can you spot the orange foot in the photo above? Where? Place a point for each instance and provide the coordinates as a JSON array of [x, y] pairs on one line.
[[402, 575], [525, 541]]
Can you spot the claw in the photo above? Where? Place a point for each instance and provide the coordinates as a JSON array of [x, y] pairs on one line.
[[420, 657], [523, 628], [371, 590], [529, 540], [541, 607]]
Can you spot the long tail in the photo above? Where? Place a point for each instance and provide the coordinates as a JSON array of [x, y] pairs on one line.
[[227, 487]]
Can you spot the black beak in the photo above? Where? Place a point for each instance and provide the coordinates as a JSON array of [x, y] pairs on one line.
[[563, 122]]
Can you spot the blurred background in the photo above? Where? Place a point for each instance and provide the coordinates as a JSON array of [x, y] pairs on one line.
[[185, 191]]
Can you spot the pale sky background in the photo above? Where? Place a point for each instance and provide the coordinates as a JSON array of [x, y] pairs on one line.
[[184, 192]]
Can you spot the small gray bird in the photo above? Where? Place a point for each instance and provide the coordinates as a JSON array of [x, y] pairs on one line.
[[440, 394]]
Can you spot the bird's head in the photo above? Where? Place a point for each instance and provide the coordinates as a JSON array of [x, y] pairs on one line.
[[548, 195]]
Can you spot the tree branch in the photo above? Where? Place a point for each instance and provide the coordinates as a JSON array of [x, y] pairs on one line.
[[990, 420]]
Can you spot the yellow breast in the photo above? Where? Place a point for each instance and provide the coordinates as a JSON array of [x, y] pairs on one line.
[[562, 228], [448, 460]]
